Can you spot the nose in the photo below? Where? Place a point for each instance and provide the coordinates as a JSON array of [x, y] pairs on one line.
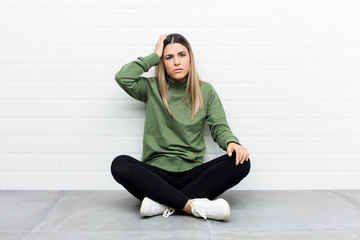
[[176, 61]]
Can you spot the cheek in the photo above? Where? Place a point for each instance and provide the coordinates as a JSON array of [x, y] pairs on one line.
[[166, 66], [187, 64]]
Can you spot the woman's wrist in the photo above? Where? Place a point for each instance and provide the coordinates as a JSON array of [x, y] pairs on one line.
[[152, 59]]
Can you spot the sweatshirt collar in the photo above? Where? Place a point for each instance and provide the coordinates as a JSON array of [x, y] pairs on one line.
[[177, 84]]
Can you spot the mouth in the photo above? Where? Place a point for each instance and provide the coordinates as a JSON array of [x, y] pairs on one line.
[[178, 70]]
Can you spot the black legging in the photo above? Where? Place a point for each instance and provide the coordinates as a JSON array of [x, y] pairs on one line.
[[174, 189]]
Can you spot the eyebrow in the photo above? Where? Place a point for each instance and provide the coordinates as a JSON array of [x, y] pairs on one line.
[[178, 53]]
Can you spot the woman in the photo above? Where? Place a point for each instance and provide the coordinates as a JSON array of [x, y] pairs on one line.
[[172, 175]]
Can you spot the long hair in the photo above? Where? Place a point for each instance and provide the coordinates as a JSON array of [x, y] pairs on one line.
[[193, 87]]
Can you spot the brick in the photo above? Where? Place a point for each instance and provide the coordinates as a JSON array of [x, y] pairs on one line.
[[351, 91], [118, 109], [18, 4], [345, 162], [93, 4], [62, 4], [39, 109], [2, 181], [342, 145], [85, 162], [322, 163], [74, 91], [60, 180], [72, 17], [308, 145], [58, 145], [37, 91], [41, 163], [111, 91], [273, 145], [39, 127], [9, 127], [2, 146], [102, 163], [22, 145], [56, 36], [13, 163], [261, 162], [36, 17], [9, 16], [2, 109], [108, 145], [22, 73], [76, 163], [15, 35], [96, 73], [287, 163], [9, 55], [350, 127], [38, 54], [112, 55], [93, 127], [94, 36], [286, 127], [74, 54], [135, 128], [22, 180], [341, 180], [112, 17], [62, 73]]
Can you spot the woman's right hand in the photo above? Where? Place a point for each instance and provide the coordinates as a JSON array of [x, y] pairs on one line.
[[160, 45]]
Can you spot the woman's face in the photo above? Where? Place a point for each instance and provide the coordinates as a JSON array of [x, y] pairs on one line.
[[177, 61]]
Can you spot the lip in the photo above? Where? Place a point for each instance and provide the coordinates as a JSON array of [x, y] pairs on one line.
[[178, 70]]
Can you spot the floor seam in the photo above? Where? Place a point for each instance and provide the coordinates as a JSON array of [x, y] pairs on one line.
[[211, 234], [49, 212], [348, 199]]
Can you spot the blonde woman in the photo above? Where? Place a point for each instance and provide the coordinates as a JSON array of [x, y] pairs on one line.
[[172, 175]]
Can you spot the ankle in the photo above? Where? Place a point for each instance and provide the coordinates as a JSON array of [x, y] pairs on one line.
[[187, 207]]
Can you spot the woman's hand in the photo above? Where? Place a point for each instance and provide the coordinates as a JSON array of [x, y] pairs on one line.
[[160, 45], [242, 153]]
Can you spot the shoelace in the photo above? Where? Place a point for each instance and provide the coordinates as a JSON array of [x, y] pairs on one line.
[[168, 212], [201, 210]]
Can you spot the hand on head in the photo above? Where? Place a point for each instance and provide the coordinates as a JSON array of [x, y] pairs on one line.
[[160, 45]]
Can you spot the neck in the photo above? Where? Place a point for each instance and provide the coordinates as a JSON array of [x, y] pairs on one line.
[[178, 80]]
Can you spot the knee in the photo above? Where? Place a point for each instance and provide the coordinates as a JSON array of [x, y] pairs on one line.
[[246, 167], [118, 164], [240, 170]]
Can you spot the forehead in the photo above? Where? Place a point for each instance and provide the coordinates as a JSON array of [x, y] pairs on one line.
[[174, 48]]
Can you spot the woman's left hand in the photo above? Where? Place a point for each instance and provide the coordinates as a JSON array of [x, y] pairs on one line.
[[242, 153]]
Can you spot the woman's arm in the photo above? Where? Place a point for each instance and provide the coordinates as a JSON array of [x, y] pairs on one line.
[[129, 76], [220, 130], [216, 119]]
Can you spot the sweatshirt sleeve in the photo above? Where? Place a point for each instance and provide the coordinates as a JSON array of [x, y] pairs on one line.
[[216, 119], [129, 76]]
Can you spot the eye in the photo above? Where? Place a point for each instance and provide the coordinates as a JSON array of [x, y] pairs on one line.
[[183, 55], [168, 57]]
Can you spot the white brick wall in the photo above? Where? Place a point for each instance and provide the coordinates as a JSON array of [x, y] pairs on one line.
[[286, 70]]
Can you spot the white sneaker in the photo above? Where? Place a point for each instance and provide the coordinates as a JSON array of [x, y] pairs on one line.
[[151, 208], [218, 209]]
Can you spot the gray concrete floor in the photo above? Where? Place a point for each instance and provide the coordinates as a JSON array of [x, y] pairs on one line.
[[105, 215]]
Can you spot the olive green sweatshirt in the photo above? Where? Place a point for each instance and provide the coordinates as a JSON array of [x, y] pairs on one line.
[[176, 143]]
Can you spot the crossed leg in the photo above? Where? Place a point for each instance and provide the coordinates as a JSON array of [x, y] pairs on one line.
[[208, 180]]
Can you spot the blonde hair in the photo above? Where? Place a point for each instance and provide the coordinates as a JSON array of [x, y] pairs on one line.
[[193, 87]]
